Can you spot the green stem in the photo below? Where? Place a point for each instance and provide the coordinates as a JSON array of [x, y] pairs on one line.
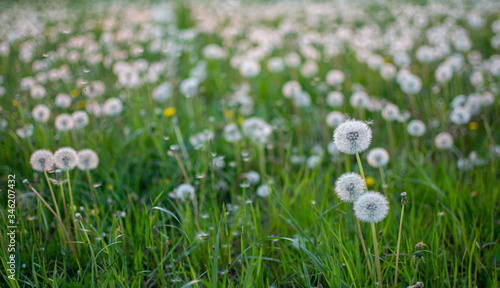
[[397, 247], [92, 253], [377, 260], [360, 167]]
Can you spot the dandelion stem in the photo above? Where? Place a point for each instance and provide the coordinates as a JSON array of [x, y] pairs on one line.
[[178, 134], [397, 247], [364, 248], [70, 198], [91, 252], [65, 210], [57, 218], [357, 220], [262, 161], [52, 194], [360, 167], [94, 199], [384, 184], [377, 260]]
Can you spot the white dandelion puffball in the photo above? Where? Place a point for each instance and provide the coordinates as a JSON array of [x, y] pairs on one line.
[[25, 131], [443, 141], [42, 160], [335, 77], [332, 149], [41, 113], [334, 119], [64, 122], [232, 133], [253, 177], [460, 116], [416, 128], [378, 157], [112, 107], [87, 159], [257, 130], [65, 158], [371, 207], [182, 192], [263, 190], [350, 186], [63, 100], [249, 68], [291, 88], [163, 92], [37, 91], [80, 119], [390, 112], [352, 137], [335, 99], [189, 87]]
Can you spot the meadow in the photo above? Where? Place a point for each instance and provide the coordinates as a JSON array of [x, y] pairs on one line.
[[239, 144]]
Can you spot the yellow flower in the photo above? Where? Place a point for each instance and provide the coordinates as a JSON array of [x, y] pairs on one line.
[[74, 92], [110, 187], [369, 181], [169, 112], [228, 114], [15, 103], [240, 120], [81, 104], [473, 126]]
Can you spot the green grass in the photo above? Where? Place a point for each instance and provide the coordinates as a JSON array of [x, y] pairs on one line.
[[299, 236]]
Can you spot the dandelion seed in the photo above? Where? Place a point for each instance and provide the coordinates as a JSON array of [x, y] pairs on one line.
[[371, 207], [352, 137], [350, 186], [65, 158], [42, 160]]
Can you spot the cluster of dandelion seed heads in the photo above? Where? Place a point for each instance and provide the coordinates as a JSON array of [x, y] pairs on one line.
[[352, 137], [371, 207], [42, 160], [350, 186], [378, 157], [65, 158], [87, 159]]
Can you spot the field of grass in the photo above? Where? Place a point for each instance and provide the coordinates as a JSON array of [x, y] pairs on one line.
[[213, 126]]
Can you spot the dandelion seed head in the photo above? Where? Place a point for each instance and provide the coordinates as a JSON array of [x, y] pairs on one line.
[[371, 207], [350, 186], [80, 119], [416, 128], [352, 137], [87, 159], [65, 158], [41, 113], [112, 107], [64, 122], [183, 191], [263, 190], [42, 160], [378, 157], [443, 141]]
